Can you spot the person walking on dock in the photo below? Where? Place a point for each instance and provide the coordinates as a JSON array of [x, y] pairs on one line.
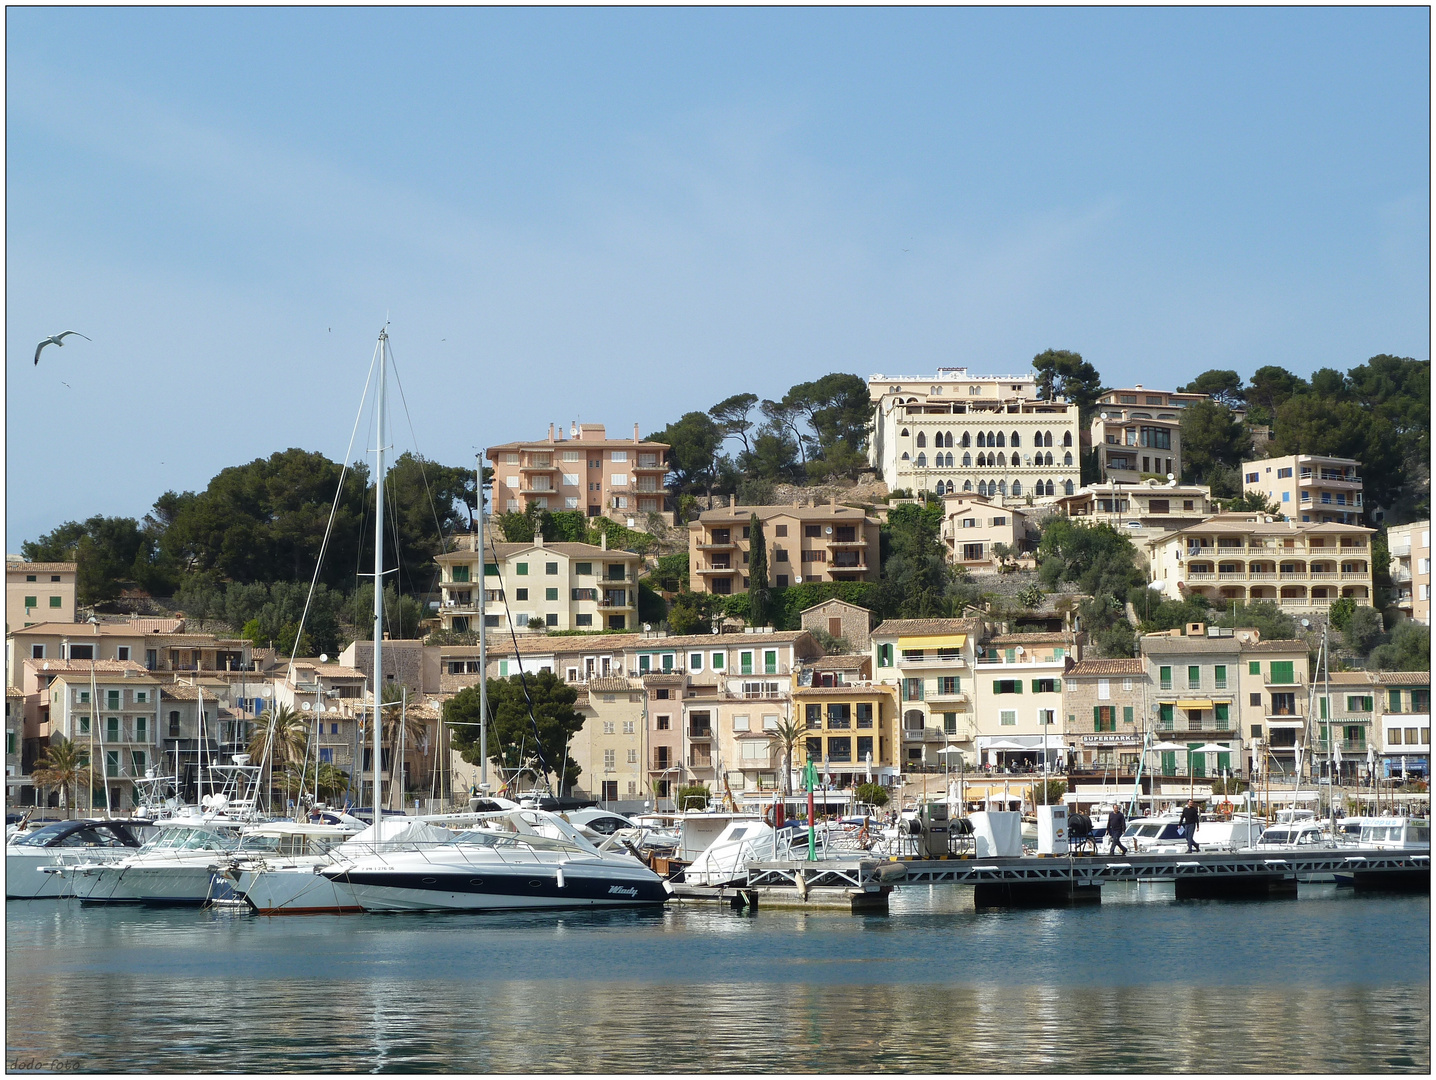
[[1116, 826], [1190, 817]]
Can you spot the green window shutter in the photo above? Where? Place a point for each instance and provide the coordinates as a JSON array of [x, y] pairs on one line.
[[1395, 701], [31, 601], [1223, 713], [1281, 671], [1366, 704], [491, 569], [1253, 667], [1194, 676], [1323, 707], [1166, 678], [550, 594], [1169, 762], [522, 569], [1096, 718], [1220, 673], [1165, 713], [54, 601], [1126, 714], [1035, 688]]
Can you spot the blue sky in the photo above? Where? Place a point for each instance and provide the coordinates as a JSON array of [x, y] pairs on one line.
[[620, 215]]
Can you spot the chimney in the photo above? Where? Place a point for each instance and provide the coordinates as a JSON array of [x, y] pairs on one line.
[[635, 431], [538, 539], [550, 432], [603, 540]]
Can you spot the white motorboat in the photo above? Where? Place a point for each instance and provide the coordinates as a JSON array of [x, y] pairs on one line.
[[288, 880], [63, 844], [510, 864], [1398, 833], [176, 866]]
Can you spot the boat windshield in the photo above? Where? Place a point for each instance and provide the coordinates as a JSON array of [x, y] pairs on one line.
[[190, 840], [41, 837], [487, 838]]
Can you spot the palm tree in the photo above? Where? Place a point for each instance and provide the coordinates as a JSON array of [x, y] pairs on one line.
[[327, 781], [289, 736], [63, 766], [396, 716], [787, 734]]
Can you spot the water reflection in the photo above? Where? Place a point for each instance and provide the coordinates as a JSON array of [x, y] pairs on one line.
[[1132, 985]]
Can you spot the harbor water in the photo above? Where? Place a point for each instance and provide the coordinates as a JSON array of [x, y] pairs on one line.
[[1333, 981]]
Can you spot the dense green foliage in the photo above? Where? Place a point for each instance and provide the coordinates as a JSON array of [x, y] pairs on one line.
[[518, 737], [1065, 374], [1409, 649]]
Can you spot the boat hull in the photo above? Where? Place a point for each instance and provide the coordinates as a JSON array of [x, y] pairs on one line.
[[175, 885], [294, 891], [27, 879], [473, 889]]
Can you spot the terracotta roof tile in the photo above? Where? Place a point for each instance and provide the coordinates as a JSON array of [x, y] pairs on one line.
[[83, 667], [849, 690], [919, 627], [1129, 666], [1033, 639], [1402, 678], [34, 567], [844, 662]]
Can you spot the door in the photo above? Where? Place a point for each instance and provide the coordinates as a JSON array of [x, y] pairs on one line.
[[1199, 761]]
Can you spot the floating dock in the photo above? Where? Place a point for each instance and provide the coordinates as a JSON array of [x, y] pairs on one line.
[[864, 884]]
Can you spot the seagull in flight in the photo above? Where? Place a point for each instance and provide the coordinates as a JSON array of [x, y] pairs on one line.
[[56, 339]]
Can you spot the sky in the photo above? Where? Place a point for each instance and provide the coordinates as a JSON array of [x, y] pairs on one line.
[[621, 215]]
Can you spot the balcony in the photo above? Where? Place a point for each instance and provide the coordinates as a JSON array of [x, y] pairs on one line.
[[953, 698], [538, 467], [956, 659], [1334, 481], [1021, 661], [528, 489], [1298, 679], [716, 568], [717, 545], [925, 734], [854, 542], [846, 568], [642, 466]]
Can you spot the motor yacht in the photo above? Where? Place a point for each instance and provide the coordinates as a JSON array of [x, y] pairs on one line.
[[520, 859], [63, 844], [176, 866]]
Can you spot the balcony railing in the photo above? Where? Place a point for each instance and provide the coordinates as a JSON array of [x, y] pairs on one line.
[[926, 661], [1298, 678]]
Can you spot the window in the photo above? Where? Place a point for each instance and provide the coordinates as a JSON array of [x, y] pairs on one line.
[[122, 652], [31, 601], [716, 661], [112, 728], [1220, 674], [662, 722], [1007, 686], [745, 663], [620, 455], [608, 727], [141, 729], [1282, 672], [1104, 718], [521, 569], [550, 594], [54, 601], [1104, 689], [1222, 711], [1127, 714], [1008, 717], [885, 654], [1253, 667], [550, 568], [949, 684], [770, 661], [1164, 678], [521, 594], [1194, 677], [781, 554], [1411, 736], [864, 711], [84, 725], [37, 652], [112, 699], [1046, 686], [583, 568], [633, 755], [609, 764], [695, 661], [174, 724], [1047, 716], [1256, 699], [1358, 704], [740, 723], [912, 690]]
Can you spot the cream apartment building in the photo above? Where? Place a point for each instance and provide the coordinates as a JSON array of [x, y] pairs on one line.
[[988, 435], [826, 542], [1019, 681], [1309, 487], [561, 585], [972, 527], [1164, 506], [1302, 567], [1138, 433], [1410, 547], [932, 664], [617, 478], [38, 592]]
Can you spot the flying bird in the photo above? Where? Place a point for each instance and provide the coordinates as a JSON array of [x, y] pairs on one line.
[[66, 385], [55, 339]]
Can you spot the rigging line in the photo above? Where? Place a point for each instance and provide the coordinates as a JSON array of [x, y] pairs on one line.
[[518, 657], [433, 509]]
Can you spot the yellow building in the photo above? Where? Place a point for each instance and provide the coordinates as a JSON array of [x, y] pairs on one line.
[[804, 543], [849, 732], [38, 592]]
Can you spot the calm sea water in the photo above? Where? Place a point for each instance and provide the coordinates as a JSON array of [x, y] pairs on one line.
[[1330, 982]]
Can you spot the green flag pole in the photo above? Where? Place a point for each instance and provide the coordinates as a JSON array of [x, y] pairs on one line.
[[810, 781]]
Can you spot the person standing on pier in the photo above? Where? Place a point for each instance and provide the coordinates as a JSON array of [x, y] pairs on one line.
[[1116, 826], [1190, 817]]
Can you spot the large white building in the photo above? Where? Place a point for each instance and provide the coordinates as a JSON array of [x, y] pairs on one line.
[[988, 435]]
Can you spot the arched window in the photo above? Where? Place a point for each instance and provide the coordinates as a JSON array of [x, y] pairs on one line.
[[1067, 458], [1001, 461], [1067, 487], [922, 461], [967, 461], [1047, 458], [1002, 487], [921, 438], [1001, 440], [967, 438], [982, 461], [1047, 438], [906, 456], [1016, 488], [904, 433], [1016, 439], [982, 488], [951, 487], [981, 439], [967, 485], [1050, 489], [950, 460], [1067, 438]]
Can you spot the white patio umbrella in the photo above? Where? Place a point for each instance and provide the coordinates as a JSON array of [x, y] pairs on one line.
[[948, 751], [1211, 748], [868, 766], [1169, 746]]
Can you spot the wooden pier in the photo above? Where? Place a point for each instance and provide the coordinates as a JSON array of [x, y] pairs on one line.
[[864, 884]]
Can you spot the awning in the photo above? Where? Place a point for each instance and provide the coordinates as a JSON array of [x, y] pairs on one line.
[[1020, 742], [1194, 703], [1286, 722], [933, 641]]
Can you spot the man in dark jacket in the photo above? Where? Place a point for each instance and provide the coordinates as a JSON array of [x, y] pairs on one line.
[[1190, 817], [1116, 826]]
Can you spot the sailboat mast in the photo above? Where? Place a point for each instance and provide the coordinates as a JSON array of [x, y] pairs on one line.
[[483, 649], [379, 576]]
